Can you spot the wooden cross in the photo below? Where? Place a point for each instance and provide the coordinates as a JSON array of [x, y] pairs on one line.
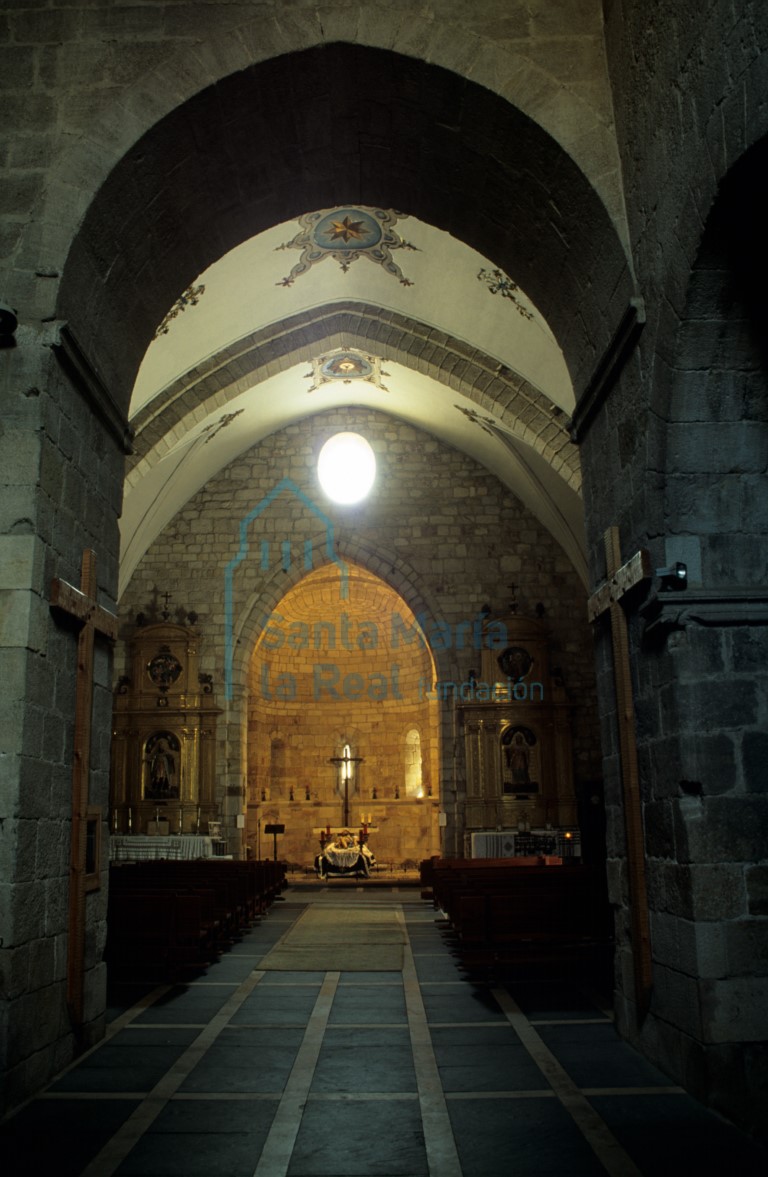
[[346, 761], [81, 607], [621, 578]]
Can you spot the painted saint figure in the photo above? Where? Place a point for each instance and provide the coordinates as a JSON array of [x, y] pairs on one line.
[[162, 769]]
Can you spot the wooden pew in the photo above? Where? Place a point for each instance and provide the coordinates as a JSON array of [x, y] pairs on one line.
[[169, 917], [510, 914]]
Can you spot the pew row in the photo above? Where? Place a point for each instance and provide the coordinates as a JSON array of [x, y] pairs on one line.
[[168, 919], [518, 917]]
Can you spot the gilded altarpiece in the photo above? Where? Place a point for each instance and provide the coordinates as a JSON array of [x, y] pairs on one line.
[[517, 733], [164, 736]]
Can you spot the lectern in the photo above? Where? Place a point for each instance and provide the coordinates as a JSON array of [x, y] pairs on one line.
[[274, 829]]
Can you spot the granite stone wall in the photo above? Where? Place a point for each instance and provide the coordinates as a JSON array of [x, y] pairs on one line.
[[60, 472], [685, 437]]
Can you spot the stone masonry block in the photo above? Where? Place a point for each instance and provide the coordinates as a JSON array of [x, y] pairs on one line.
[[749, 650], [713, 704], [757, 890], [721, 829], [705, 892], [659, 829], [678, 995], [747, 947], [23, 620], [708, 762], [754, 751], [735, 1009]]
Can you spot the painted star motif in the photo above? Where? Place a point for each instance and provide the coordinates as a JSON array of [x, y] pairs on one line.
[[347, 230]]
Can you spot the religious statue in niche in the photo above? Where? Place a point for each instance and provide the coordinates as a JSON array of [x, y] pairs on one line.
[[519, 748], [162, 758]]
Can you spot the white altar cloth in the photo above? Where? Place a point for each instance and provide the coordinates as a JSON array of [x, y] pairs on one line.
[[140, 847]]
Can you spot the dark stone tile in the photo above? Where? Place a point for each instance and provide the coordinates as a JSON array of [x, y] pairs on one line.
[[275, 1006], [373, 978], [554, 1000], [215, 1117], [436, 968], [379, 1138], [231, 968], [366, 1060], [287, 978], [59, 1136], [255, 1060], [460, 1004], [200, 1138], [154, 1036], [670, 1134], [368, 1004], [120, 1068], [527, 1137], [186, 1004], [485, 1058], [595, 1056]]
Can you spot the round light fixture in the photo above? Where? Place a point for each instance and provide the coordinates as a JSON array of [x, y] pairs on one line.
[[346, 468]]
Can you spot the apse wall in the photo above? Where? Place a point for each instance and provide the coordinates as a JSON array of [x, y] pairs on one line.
[[445, 534], [326, 675]]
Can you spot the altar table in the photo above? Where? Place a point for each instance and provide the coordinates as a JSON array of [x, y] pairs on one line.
[[140, 847], [344, 860]]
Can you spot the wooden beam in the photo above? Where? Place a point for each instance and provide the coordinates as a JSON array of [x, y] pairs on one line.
[[80, 606], [620, 579], [634, 572]]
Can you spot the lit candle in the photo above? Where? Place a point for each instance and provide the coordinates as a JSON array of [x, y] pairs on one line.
[[130, 819]]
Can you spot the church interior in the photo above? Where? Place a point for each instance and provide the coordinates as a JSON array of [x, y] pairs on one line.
[[504, 263]]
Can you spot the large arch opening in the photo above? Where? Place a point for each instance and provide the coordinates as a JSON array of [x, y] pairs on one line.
[[416, 137], [342, 721]]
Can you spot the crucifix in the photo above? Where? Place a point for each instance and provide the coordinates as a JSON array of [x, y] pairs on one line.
[[346, 764], [620, 579], [80, 607]]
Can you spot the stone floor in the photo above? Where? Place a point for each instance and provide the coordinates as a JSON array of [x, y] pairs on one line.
[[418, 1073]]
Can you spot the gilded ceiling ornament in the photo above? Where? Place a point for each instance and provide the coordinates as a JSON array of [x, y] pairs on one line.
[[217, 426], [190, 298], [485, 423], [347, 234], [500, 283], [346, 365]]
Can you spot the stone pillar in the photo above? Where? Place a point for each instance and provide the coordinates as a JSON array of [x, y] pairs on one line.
[[62, 473]]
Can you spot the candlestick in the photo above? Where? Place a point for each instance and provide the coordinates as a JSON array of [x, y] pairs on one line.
[[198, 819], [180, 818], [130, 820]]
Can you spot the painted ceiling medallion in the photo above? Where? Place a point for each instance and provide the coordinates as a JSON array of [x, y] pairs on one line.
[[345, 366], [347, 234], [190, 298], [500, 283]]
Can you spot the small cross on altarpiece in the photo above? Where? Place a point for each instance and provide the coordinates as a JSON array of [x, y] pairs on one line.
[[80, 607], [620, 579]]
